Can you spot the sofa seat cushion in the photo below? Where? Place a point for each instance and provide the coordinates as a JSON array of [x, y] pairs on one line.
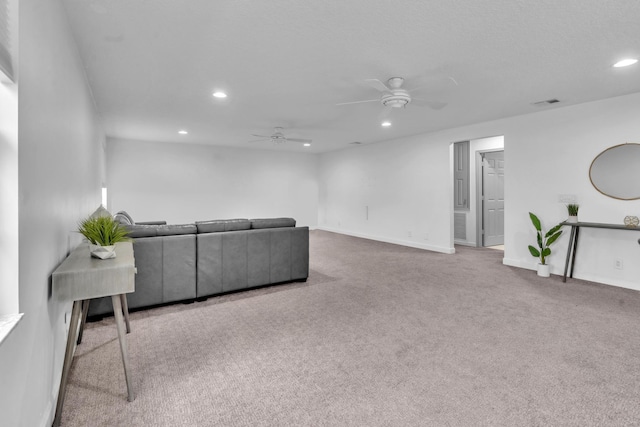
[[272, 222]]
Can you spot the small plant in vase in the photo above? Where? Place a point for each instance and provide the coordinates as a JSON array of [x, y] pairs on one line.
[[103, 232], [545, 240], [572, 209]]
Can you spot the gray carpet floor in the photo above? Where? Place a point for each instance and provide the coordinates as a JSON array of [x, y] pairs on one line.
[[380, 335]]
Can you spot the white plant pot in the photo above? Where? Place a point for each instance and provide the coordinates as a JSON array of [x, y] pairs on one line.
[[543, 270], [572, 218], [102, 252]]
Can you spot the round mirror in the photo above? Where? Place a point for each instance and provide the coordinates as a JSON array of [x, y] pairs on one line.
[[616, 172]]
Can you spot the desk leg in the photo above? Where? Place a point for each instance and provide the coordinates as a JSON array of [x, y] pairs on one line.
[[68, 358], [117, 310], [83, 320], [125, 310], [566, 262]]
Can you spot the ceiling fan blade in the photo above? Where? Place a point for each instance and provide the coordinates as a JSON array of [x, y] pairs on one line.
[[378, 85], [358, 102], [259, 140], [261, 136], [298, 140], [436, 105]]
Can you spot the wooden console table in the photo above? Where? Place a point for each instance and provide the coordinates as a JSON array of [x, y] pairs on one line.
[[79, 279], [573, 240]]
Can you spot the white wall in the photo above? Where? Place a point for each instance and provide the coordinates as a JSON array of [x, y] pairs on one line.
[[183, 183], [549, 154], [8, 198], [61, 166], [407, 184]]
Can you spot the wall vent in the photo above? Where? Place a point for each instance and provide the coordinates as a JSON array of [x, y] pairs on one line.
[[545, 102]]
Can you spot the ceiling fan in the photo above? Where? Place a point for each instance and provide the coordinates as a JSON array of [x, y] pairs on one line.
[[395, 96], [278, 137]]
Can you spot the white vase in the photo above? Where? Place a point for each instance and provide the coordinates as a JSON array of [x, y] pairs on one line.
[[102, 252], [543, 270], [572, 218]]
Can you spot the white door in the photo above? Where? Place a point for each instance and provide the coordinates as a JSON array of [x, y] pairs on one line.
[[493, 198]]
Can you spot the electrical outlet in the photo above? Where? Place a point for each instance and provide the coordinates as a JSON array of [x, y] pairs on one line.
[[619, 264], [408, 234]]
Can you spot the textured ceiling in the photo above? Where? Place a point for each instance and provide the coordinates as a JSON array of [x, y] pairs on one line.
[[153, 64]]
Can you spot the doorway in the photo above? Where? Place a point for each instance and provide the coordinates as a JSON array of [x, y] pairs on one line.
[[468, 218], [490, 198]]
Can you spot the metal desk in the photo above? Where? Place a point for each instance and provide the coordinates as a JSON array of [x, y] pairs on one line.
[[80, 278], [573, 240]]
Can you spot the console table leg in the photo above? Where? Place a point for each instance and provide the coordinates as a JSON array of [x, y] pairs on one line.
[[575, 248], [117, 310], [566, 262], [83, 320], [68, 358], [125, 310]]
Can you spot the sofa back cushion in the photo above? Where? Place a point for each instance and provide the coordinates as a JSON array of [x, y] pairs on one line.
[[138, 230], [272, 223], [219, 225], [123, 218], [176, 229], [141, 230], [101, 211]]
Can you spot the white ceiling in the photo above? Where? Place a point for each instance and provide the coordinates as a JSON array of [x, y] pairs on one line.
[[153, 64]]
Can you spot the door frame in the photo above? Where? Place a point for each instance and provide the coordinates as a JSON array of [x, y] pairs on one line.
[[479, 199]]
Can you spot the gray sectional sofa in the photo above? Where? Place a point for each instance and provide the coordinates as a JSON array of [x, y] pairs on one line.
[[192, 261]]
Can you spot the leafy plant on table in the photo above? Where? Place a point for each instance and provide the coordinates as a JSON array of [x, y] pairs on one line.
[[103, 231], [544, 239], [572, 209]]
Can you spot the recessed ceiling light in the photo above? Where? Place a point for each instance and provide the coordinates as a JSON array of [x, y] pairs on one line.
[[625, 62], [183, 132], [385, 124], [219, 94], [306, 144]]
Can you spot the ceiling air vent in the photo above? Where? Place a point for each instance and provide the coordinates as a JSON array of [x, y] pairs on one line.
[[545, 102]]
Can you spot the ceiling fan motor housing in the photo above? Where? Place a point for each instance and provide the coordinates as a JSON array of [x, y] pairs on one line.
[[278, 136], [397, 98]]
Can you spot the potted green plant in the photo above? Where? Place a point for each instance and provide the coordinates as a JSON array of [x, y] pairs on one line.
[[103, 232], [545, 240], [572, 209]]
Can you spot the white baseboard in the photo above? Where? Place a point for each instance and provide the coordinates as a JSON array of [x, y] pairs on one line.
[[559, 270], [518, 263], [408, 243], [606, 281]]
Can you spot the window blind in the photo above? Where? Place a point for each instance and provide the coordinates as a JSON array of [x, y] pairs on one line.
[[5, 39]]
